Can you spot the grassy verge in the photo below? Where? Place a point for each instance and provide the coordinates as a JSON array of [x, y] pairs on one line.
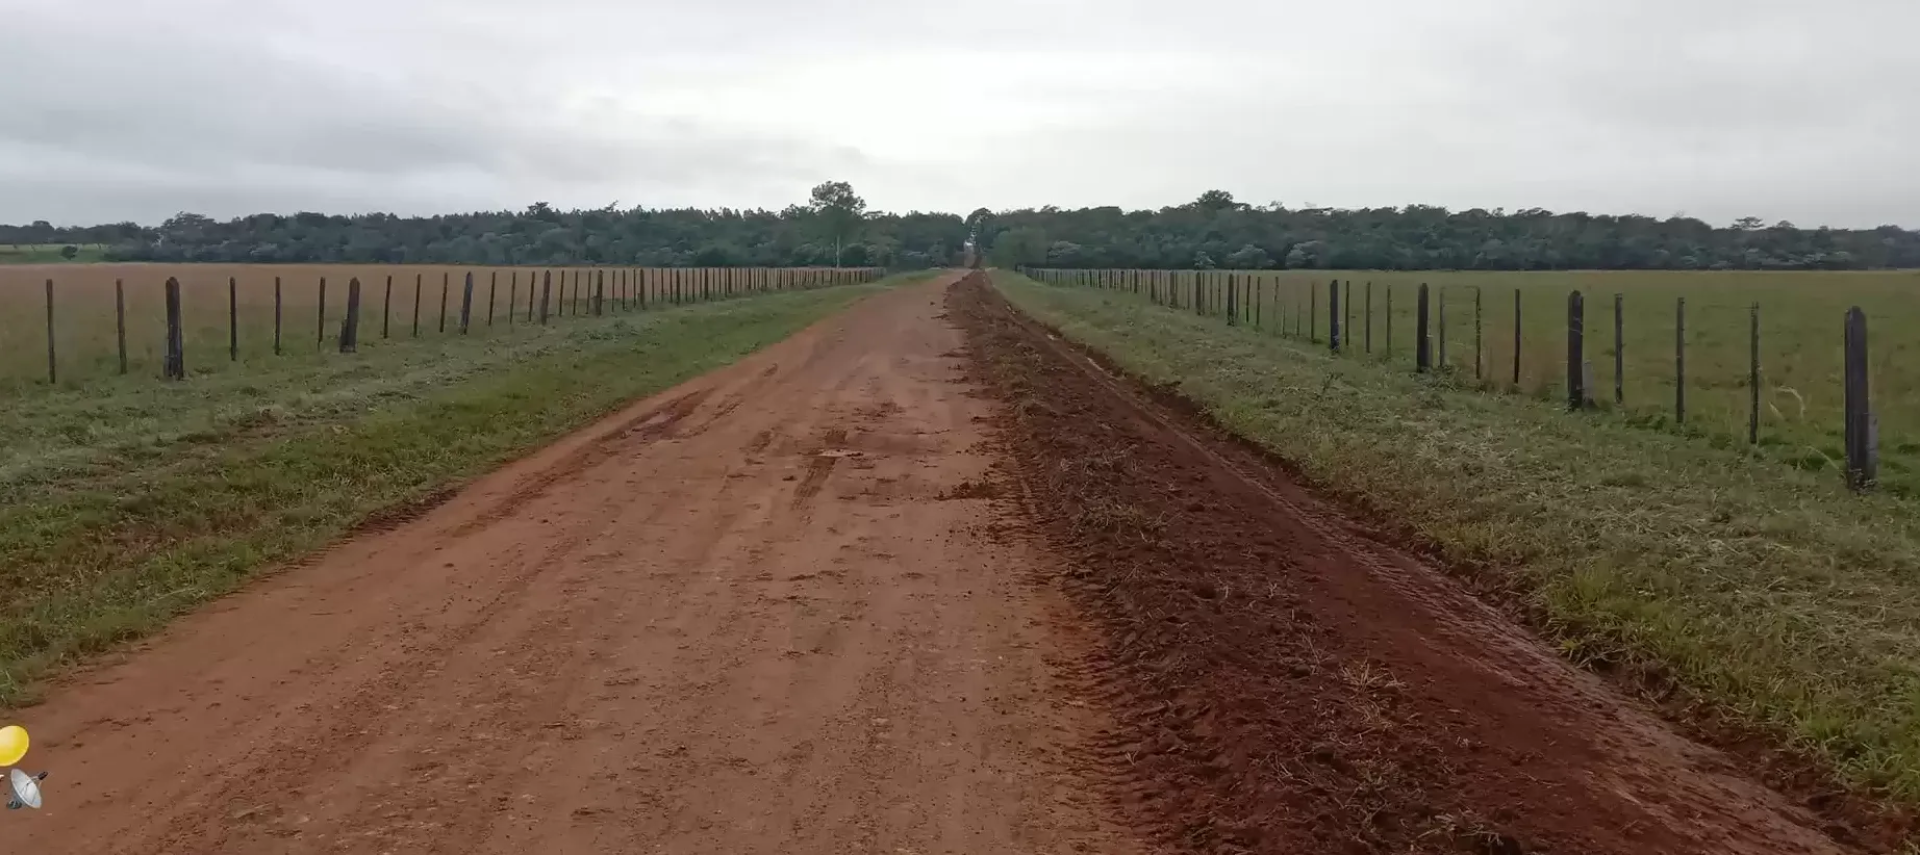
[[124, 506], [1763, 589]]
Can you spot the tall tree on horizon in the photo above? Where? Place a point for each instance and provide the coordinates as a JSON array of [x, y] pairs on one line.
[[840, 210]]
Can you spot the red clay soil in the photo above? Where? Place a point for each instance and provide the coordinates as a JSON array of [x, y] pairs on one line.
[[1281, 682], [836, 598], [770, 611]]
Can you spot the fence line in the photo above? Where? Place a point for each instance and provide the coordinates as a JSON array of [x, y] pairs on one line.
[[588, 292], [1164, 288]]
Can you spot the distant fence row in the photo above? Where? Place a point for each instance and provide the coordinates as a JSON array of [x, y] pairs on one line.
[[1363, 323], [227, 318]]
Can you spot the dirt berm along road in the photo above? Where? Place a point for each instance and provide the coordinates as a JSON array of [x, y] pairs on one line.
[[921, 579]]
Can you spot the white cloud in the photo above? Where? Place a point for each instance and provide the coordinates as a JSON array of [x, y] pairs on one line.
[[229, 106]]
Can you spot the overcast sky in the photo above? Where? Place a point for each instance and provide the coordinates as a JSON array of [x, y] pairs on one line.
[[133, 109]]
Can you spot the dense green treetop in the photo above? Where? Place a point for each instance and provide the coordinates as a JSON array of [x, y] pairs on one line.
[[1212, 231]]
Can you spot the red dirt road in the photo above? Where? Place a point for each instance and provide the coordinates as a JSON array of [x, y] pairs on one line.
[[751, 615], [886, 587]]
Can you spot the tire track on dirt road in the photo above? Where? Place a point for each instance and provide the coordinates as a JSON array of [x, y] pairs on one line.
[[640, 639]]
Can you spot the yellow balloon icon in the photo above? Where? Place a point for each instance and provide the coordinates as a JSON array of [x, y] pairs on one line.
[[13, 744]]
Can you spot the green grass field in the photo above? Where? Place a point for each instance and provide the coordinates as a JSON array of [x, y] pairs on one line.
[[1801, 416], [129, 500], [49, 253], [1763, 588]]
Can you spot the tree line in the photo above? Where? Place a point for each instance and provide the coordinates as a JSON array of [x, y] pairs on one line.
[[834, 227], [1215, 231]]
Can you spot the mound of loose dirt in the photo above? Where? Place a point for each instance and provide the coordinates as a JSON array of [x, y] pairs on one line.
[[1285, 684]]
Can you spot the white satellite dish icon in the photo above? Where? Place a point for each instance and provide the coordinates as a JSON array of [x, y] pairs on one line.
[[26, 789]]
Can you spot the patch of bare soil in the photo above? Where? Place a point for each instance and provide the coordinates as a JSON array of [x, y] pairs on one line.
[[1284, 683]]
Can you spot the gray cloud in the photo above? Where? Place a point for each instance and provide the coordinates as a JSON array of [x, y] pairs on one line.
[[1714, 108]]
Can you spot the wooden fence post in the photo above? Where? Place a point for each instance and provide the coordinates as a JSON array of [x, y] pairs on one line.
[[1233, 307], [350, 327], [1369, 313], [386, 310], [1516, 338], [1258, 291], [1576, 351], [493, 289], [1680, 361], [600, 292], [53, 362], [546, 292], [1346, 312], [417, 279], [1619, 351], [120, 321], [466, 303], [529, 296], [233, 319], [277, 304], [1333, 316], [1862, 428], [640, 288], [1753, 380], [1478, 351], [1388, 344], [320, 313], [445, 286], [1422, 348], [175, 366]]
